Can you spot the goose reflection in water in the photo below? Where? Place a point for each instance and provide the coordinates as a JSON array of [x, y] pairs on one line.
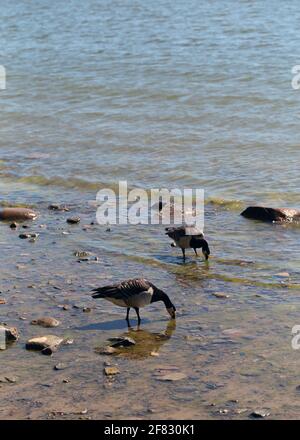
[[146, 343]]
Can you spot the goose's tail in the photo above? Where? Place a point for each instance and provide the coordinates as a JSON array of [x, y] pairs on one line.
[[103, 292]]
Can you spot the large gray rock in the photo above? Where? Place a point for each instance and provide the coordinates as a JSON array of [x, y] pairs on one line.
[[272, 214], [15, 214], [46, 344], [7, 335]]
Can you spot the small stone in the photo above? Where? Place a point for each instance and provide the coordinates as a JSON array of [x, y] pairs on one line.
[[46, 322], [68, 341], [82, 254], [111, 371], [13, 225], [241, 410], [122, 341], [106, 350], [60, 366], [282, 274], [220, 295], [66, 381], [223, 411], [154, 353], [8, 379], [24, 236], [259, 414], [87, 309], [56, 207], [171, 377], [11, 379], [73, 220], [2, 301]]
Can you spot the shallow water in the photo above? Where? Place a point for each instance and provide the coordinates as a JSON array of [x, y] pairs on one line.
[[164, 95]]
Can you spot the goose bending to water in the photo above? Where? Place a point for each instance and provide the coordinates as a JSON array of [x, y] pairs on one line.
[[189, 237], [134, 293]]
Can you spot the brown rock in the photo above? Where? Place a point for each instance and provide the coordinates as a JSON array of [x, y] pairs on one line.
[[271, 214], [2, 301], [21, 214], [111, 371], [46, 322]]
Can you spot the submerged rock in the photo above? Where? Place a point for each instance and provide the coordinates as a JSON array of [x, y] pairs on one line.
[[46, 344], [171, 377], [21, 214], [55, 207], [106, 350], [122, 341], [220, 295], [60, 366], [46, 322], [272, 214]]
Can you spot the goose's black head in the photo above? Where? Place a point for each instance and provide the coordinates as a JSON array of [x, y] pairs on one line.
[[197, 243], [159, 295], [205, 250]]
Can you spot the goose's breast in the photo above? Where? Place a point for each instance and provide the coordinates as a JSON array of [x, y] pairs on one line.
[[140, 300], [184, 242], [117, 302]]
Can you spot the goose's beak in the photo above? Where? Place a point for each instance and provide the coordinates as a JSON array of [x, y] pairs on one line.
[[172, 312], [205, 250], [206, 254]]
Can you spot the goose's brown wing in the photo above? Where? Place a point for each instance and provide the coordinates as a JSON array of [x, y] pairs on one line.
[[123, 290]]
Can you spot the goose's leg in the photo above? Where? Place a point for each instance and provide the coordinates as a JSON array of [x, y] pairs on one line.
[[195, 250], [138, 315], [183, 253], [127, 316]]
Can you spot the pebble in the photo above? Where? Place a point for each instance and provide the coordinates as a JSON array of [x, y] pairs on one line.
[[8, 379], [220, 295], [73, 220], [13, 225], [60, 366], [282, 274], [106, 350], [55, 207], [46, 322], [259, 414], [2, 301], [171, 377], [111, 371]]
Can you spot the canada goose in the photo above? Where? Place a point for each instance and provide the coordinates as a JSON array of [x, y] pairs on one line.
[[134, 293], [188, 237]]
